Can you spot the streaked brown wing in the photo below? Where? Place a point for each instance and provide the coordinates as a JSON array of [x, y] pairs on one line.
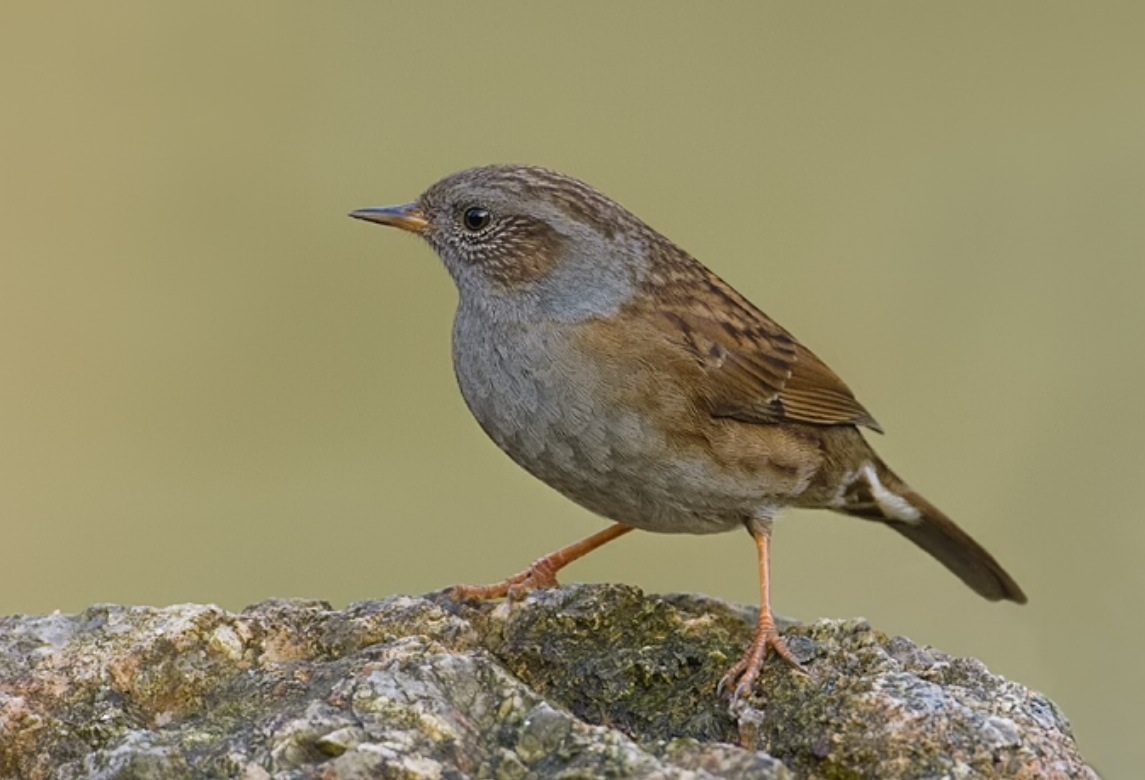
[[816, 394], [757, 371]]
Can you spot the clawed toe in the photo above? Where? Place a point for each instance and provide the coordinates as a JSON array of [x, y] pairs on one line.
[[536, 577], [740, 679], [542, 574], [730, 682]]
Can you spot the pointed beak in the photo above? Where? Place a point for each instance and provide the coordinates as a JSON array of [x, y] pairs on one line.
[[408, 217]]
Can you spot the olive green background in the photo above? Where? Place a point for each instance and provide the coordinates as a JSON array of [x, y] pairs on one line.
[[215, 387]]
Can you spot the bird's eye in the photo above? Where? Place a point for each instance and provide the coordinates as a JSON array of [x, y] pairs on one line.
[[475, 218]]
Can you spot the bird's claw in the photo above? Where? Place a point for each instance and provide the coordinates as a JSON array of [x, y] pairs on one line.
[[740, 679], [539, 576]]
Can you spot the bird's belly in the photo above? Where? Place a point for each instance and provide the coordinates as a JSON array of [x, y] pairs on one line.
[[555, 421]]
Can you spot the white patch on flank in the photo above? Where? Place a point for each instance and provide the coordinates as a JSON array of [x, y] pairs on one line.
[[839, 500], [893, 506]]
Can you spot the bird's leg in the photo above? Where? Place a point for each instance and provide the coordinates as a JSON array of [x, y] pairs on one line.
[[741, 678], [543, 573]]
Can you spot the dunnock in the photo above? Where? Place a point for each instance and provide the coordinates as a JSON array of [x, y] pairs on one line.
[[612, 365]]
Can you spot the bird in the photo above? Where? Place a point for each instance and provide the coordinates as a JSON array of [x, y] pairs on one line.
[[615, 367]]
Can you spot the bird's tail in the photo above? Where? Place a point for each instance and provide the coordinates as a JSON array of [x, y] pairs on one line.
[[877, 493]]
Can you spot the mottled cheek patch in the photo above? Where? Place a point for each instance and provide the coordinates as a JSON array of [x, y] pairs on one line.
[[524, 253]]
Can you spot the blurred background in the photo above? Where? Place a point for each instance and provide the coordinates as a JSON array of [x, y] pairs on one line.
[[214, 387]]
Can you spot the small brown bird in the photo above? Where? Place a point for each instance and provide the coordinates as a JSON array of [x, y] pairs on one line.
[[612, 365]]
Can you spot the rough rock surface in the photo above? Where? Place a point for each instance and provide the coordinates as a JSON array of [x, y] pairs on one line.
[[580, 682]]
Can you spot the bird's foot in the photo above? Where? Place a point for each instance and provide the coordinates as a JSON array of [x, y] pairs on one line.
[[540, 576], [543, 573], [740, 679]]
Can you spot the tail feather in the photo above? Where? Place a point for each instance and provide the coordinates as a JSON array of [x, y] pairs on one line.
[[877, 493]]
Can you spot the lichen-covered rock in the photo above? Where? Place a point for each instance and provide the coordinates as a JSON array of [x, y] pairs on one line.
[[580, 682]]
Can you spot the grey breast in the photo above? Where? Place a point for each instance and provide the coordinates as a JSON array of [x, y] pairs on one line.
[[545, 409]]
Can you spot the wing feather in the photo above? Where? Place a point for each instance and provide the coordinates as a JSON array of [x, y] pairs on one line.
[[756, 371]]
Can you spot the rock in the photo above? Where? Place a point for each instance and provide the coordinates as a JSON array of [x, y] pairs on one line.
[[580, 682]]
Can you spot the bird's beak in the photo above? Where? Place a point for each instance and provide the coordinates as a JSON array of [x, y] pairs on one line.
[[408, 217]]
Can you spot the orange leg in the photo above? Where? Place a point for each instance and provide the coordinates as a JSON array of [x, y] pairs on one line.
[[741, 678], [543, 573]]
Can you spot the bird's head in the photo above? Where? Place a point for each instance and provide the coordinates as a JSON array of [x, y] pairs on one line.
[[527, 242]]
